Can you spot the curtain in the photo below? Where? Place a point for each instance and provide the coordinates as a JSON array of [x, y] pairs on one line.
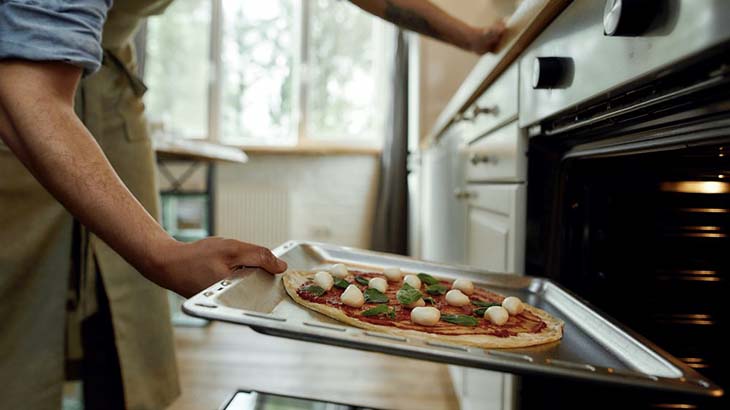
[[391, 212]]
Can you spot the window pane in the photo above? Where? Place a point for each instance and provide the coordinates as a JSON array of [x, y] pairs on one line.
[[177, 68], [258, 51], [345, 72]]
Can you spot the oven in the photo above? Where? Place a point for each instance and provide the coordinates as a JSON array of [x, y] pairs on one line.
[[627, 105]]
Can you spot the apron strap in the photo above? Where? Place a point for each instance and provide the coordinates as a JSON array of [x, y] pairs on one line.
[[138, 86]]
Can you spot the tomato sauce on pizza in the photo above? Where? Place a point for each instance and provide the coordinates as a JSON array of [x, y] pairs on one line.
[[525, 322]]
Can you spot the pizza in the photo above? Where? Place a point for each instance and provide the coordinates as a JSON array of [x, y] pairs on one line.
[[419, 305]]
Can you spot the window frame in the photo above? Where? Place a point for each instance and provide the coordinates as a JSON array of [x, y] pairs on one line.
[[301, 86]]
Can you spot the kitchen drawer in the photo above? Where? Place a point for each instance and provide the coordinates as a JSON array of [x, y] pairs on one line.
[[496, 106], [500, 156], [496, 227]]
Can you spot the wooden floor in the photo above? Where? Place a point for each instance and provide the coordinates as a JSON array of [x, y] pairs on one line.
[[216, 360]]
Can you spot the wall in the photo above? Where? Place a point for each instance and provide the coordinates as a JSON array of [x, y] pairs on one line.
[[441, 68], [308, 197]]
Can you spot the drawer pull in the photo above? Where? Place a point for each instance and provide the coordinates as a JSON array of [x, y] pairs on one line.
[[477, 159], [464, 194], [484, 110], [476, 112]]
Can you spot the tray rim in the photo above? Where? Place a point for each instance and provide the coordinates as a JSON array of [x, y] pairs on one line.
[[204, 306]]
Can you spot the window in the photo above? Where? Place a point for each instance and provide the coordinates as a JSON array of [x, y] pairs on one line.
[[275, 72]]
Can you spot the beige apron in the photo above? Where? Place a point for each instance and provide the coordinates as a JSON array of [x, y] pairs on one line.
[[109, 103], [35, 238], [36, 248]]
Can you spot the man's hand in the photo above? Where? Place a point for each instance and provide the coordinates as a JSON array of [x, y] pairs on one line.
[[38, 123], [187, 268], [486, 40]]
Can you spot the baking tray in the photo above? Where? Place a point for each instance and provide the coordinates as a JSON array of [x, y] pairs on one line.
[[594, 347]]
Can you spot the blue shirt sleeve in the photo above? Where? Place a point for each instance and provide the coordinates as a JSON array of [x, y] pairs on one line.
[[53, 30]]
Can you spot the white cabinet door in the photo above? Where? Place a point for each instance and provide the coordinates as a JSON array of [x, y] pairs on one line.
[[488, 240], [484, 390], [495, 242], [443, 224], [495, 227]]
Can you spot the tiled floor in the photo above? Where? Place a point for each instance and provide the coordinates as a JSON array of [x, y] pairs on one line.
[[216, 360]]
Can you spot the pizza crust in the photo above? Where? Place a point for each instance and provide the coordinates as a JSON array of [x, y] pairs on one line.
[[293, 280]]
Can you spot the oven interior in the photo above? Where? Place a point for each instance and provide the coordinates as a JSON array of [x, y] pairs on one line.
[[646, 238]]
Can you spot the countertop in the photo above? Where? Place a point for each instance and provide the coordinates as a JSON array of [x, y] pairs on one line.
[[197, 150], [528, 21]]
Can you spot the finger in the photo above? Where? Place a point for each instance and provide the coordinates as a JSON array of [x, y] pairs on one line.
[[257, 256]]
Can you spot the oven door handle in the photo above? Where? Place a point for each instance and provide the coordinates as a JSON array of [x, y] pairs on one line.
[[648, 103]]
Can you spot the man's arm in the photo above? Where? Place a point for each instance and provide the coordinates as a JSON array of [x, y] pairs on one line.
[[424, 17], [38, 123]]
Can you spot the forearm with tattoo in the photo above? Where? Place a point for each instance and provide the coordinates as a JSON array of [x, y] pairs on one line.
[[409, 19], [422, 17]]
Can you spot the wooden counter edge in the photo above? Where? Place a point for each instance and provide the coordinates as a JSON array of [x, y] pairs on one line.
[[468, 92]]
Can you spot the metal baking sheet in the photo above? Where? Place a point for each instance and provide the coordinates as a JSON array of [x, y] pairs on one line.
[[594, 347]]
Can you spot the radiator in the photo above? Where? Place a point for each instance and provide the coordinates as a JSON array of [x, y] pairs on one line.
[[258, 215]]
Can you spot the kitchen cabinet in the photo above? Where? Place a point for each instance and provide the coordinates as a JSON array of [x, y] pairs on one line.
[[495, 227], [494, 192], [414, 204], [495, 199], [498, 157], [443, 222], [495, 241]]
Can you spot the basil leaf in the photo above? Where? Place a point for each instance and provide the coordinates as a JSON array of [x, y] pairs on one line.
[[429, 299], [437, 289], [361, 280], [391, 313], [427, 279], [484, 304], [479, 311], [341, 283], [462, 320], [407, 294], [315, 290], [377, 310], [375, 296]]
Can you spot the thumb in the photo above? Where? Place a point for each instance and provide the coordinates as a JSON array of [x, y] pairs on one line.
[[260, 257]]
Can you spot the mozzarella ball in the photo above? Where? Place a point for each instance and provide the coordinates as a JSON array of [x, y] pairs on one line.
[[497, 315], [464, 285], [413, 281], [324, 280], [454, 297], [379, 284], [393, 274], [426, 316], [352, 296], [513, 305], [419, 303], [339, 270]]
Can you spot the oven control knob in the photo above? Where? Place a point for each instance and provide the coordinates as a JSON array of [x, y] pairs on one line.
[[548, 72], [629, 18]]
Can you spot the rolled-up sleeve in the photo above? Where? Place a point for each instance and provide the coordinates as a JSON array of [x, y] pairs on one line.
[[53, 30]]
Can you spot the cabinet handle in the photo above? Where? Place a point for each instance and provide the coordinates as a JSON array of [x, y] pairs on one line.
[[476, 112], [463, 194], [477, 159], [484, 110]]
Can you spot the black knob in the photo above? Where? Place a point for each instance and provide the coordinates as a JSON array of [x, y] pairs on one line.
[[549, 72], [629, 18]]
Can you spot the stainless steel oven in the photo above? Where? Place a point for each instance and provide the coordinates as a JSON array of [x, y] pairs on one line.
[[627, 104]]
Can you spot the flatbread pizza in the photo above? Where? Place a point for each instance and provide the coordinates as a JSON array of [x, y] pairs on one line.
[[422, 306]]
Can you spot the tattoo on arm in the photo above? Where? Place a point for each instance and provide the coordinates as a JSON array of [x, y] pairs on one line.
[[409, 19]]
